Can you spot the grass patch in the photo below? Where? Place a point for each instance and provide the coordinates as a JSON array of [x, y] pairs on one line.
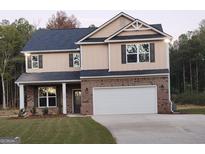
[[191, 109], [187, 98], [56, 131]]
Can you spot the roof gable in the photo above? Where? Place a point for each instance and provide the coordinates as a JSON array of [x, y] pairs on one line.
[[137, 26], [112, 27], [120, 15]]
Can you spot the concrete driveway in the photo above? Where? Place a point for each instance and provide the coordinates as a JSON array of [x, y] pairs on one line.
[[155, 128]]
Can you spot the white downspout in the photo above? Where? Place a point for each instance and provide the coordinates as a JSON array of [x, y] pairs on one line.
[[168, 66]]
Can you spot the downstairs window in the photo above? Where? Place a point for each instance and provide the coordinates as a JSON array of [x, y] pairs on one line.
[[47, 97]]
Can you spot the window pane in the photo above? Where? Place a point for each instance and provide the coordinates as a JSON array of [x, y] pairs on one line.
[[144, 48], [131, 58], [42, 91], [35, 64], [76, 59], [42, 102], [51, 91], [34, 58], [131, 49], [52, 101], [144, 57]]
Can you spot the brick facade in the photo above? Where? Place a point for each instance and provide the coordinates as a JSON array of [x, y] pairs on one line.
[[87, 85], [164, 106], [31, 93]]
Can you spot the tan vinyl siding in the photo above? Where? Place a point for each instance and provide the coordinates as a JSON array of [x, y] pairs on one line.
[[160, 58], [54, 62], [112, 27], [94, 57]]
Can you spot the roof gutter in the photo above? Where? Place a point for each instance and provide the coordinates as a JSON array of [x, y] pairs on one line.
[[132, 40], [52, 51]]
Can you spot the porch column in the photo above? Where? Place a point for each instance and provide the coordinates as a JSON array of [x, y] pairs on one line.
[[64, 98], [21, 95]]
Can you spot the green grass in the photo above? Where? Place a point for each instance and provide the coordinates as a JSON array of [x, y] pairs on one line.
[[56, 130], [191, 109]]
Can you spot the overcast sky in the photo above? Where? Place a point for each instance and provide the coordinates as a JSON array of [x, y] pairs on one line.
[[173, 22]]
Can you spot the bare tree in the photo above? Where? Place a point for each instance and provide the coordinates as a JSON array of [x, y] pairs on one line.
[[61, 21]]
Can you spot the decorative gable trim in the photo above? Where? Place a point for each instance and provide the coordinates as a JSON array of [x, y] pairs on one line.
[[136, 26], [105, 24]]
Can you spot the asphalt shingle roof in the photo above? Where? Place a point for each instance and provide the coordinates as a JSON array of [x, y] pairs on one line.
[[88, 73], [48, 76], [61, 76], [56, 39]]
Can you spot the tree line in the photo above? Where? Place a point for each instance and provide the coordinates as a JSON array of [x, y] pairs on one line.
[[187, 62]]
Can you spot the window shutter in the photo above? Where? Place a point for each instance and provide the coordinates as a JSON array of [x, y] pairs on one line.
[[152, 52], [40, 58], [123, 54], [29, 61], [71, 60]]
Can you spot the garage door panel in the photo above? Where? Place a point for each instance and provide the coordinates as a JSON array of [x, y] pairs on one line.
[[124, 100]]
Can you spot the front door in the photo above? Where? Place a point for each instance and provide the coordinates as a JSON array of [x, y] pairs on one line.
[[77, 100]]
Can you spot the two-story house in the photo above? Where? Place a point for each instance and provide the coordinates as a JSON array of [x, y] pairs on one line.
[[121, 67]]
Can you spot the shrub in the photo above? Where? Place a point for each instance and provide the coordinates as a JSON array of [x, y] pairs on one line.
[[33, 110], [45, 111], [22, 113], [187, 98]]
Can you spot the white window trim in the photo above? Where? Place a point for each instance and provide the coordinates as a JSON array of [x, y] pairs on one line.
[[34, 61], [47, 98], [138, 53], [79, 60]]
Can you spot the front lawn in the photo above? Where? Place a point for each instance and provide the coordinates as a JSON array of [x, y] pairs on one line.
[[191, 109], [55, 130]]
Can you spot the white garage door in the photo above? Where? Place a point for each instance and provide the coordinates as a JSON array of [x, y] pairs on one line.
[[125, 100]]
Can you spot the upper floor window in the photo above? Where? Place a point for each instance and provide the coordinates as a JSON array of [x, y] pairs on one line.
[[137, 53], [74, 59], [35, 61]]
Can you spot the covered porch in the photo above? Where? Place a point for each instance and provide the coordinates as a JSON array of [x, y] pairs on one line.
[[59, 93]]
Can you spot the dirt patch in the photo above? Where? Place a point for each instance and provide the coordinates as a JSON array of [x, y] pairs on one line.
[[9, 112]]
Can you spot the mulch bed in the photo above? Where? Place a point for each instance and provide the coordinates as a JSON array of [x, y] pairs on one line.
[[40, 116]]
